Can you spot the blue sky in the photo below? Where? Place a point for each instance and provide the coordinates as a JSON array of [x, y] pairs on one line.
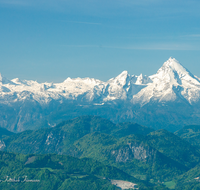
[[50, 40]]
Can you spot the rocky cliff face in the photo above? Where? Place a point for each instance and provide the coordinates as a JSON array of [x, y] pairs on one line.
[[135, 150], [2, 145]]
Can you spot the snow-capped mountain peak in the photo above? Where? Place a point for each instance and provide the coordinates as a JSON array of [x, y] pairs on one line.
[[4, 80], [125, 78], [172, 65], [143, 79], [172, 82], [174, 73], [123, 74], [121, 79], [18, 81]]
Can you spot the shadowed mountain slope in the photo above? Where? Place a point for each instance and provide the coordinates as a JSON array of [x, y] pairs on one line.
[[174, 147], [190, 133]]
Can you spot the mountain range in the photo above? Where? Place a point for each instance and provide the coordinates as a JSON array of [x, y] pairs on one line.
[[168, 99], [157, 159]]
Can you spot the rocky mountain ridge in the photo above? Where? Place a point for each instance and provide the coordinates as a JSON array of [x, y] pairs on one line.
[[171, 82], [27, 104]]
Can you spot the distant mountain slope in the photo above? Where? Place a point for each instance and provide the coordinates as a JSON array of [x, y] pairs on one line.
[[168, 99], [127, 128], [174, 147], [59, 138], [190, 133]]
